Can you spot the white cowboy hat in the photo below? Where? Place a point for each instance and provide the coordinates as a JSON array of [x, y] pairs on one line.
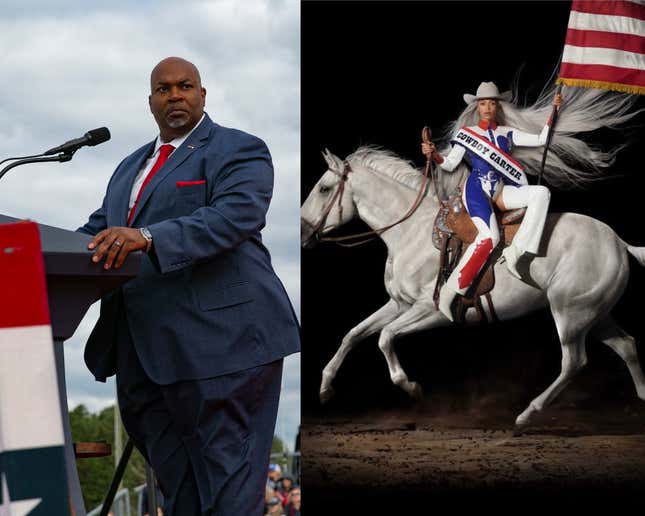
[[487, 90]]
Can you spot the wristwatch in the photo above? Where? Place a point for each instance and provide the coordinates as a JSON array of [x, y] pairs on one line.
[[145, 233]]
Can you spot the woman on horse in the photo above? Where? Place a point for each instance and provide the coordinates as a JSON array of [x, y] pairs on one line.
[[495, 177]]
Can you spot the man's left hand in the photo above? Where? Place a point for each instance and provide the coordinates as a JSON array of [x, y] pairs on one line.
[[115, 244]]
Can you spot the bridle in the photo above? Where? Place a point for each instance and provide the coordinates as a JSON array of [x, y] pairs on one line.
[[338, 194], [374, 233]]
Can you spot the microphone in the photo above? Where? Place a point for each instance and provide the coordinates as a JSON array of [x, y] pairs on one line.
[[91, 138]]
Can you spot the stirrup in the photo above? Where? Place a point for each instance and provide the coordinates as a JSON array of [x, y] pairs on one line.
[[512, 256]]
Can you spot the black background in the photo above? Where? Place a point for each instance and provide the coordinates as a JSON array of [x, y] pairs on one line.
[[376, 73]]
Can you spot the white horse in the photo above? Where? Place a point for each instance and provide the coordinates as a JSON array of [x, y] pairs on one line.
[[580, 273]]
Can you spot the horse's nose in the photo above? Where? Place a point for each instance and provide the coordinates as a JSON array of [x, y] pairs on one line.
[[306, 234]]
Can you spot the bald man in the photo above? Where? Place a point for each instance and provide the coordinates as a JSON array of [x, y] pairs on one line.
[[197, 339]]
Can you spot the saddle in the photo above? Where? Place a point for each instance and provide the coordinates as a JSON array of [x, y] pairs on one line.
[[452, 233]]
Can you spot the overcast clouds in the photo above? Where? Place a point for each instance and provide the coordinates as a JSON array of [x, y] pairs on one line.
[[70, 66]]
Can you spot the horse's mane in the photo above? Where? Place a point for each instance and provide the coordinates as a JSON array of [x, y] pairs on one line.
[[401, 170]]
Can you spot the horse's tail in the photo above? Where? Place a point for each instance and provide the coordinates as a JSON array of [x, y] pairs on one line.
[[637, 252]]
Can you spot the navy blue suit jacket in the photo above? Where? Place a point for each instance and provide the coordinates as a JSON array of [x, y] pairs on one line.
[[206, 301]]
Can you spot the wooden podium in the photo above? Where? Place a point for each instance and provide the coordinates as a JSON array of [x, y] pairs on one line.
[[74, 283]]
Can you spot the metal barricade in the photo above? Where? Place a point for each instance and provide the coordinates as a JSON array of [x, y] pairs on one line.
[[120, 507]]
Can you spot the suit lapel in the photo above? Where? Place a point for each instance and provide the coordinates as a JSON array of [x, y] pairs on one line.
[[123, 188], [197, 139]]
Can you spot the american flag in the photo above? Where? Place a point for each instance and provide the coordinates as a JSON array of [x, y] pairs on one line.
[[605, 46], [32, 462]]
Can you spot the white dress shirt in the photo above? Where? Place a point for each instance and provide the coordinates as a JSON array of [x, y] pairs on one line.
[[149, 163]]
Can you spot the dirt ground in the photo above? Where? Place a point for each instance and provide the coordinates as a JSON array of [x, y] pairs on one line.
[[412, 453]]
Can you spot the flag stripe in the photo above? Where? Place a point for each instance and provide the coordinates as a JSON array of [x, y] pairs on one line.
[[22, 275], [599, 39], [606, 23], [602, 73], [603, 56], [29, 402], [605, 46], [615, 8]]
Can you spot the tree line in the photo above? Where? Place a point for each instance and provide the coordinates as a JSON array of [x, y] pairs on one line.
[[95, 474]]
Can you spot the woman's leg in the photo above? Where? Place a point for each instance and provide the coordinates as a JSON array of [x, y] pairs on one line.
[[527, 239], [479, 207]]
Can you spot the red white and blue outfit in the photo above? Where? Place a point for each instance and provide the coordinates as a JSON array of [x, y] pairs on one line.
[[488, 148]]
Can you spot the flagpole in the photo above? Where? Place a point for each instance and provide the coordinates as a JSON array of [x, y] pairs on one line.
[[554, 118]]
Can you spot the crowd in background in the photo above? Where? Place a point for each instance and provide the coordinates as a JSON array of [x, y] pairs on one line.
[[283, 496]]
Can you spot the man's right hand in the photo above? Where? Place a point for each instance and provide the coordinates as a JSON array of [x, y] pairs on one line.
[[115, 243]]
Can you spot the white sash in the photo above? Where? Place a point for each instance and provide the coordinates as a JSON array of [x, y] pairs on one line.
[[491, 154]]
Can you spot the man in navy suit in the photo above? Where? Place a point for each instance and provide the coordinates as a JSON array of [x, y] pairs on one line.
[[198, 337]]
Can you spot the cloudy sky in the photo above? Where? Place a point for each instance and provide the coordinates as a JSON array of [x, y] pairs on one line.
[[69, 66]]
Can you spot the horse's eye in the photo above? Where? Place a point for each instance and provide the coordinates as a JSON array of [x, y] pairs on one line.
[[324, 189]]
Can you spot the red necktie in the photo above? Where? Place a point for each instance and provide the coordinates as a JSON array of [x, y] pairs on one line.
[[164, 152]]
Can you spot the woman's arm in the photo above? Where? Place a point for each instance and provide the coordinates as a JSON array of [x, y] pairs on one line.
[[450, 162], [522, 139]]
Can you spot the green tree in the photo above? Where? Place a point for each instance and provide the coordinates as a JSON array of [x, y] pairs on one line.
[[278, 447], [95, 474]]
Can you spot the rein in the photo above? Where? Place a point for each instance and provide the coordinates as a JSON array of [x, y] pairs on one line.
[[372, 234]]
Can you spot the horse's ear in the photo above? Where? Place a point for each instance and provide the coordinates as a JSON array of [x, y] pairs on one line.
[[333, 162], [326, 154]]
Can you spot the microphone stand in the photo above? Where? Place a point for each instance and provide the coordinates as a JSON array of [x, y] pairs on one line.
[[39, 158]]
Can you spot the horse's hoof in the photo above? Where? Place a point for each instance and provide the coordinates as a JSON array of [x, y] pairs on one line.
[[326, 395], [641, 394], [417, 392], [521, 424], [518, 430]]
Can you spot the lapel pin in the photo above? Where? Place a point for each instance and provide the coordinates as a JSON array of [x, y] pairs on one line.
[[190, 146]]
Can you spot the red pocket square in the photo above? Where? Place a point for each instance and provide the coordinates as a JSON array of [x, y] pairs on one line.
[[190, 183]]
